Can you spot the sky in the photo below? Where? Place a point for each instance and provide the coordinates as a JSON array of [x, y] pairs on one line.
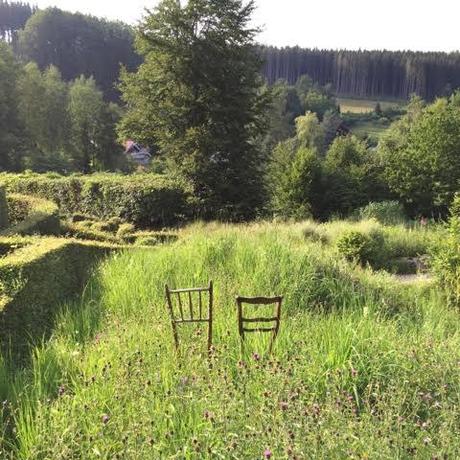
[[424, 25]]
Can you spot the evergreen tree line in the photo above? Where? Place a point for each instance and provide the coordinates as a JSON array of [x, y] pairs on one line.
[[48, 124], [84, 45], [376, 74], [13, 17], [76, 44]]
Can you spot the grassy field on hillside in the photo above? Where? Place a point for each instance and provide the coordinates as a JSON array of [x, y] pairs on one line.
[[349, 105], [364, 367]]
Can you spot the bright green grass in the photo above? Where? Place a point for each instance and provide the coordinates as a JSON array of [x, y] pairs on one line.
[[364, 129], [349, 105], [363, 368]]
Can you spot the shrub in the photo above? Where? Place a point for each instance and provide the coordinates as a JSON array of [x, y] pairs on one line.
[[32, 215], [314, 232], [87, 230], [445, 253], [34, 279], [146, 200], [365, 248], [455, 207], [125, 231], [4, 221], [153, 238], [385, 212]]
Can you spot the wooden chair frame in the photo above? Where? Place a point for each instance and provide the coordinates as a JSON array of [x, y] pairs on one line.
[[276, 319], [188, 317]]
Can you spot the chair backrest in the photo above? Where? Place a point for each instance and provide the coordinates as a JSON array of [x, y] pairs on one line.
[[187, 310], [275, 319]]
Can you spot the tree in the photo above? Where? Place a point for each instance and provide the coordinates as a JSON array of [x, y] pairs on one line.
[[88, 116], [197, 97], [13, 17], [294, 181], [79, 45], [11, 132], [42, 98], [421, 157], [309, 132], [344, 176]]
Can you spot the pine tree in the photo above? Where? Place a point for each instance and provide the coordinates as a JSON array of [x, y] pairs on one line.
[[197, 97]]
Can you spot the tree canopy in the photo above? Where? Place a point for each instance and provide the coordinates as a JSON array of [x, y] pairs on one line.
[[197, 96]]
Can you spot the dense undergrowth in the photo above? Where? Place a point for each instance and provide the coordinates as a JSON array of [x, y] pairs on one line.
[[363, 368]]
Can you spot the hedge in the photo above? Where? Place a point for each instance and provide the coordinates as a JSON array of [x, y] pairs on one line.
[[4, 221], [31, 215], [146, 200], [35, 279]]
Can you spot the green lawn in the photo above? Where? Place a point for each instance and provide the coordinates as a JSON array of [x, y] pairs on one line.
[[365, 129], [349, 105], [364, 366]]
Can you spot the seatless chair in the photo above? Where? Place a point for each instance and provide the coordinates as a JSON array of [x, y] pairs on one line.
[[275, 319], [187, 310]]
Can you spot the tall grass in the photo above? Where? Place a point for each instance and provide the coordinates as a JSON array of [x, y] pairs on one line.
[[363, 367]]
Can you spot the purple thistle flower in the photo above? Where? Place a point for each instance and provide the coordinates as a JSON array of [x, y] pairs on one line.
[[267, 454]]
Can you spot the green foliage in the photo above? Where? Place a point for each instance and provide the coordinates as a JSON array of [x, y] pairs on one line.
[[68, 127], [13, 17], [351, 177], [146, 200], [32, 215], [197, 96], [4, 215], [43, 109], [309, 132], [365, 248], [293, 180], [10, 126], [385, 212], [79, 45], [445, 254], [420, 157], [35, 278]]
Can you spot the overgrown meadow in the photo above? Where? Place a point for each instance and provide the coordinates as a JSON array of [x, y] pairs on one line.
[[364, 366]]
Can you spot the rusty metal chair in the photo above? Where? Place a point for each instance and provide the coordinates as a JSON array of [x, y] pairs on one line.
[[187, 313], [275, 319]]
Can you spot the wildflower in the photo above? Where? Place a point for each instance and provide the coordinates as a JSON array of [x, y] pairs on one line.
[[105, 419], [284, 405], [208, 415], [267, 454], [354, 372], [61, 390], [256, 356]]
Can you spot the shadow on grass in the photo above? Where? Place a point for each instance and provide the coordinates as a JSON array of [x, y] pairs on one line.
[[32, 371]]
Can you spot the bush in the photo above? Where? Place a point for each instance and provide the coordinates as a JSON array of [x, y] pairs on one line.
[[314, 232], [365, 248], [32, 215], [385, 212], [4, 221], [445, 254], [146, 200], [87, 230], [455, 207], [154, 238], [34, 279]]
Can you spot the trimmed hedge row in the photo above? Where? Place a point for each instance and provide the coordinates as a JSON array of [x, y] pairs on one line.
[[35, 278], [146, 200], [4, 221], [31, 215]]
